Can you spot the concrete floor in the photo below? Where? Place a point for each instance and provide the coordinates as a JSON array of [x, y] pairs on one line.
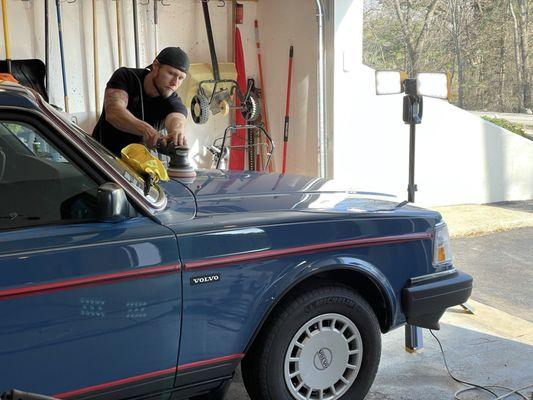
[[490, 347]]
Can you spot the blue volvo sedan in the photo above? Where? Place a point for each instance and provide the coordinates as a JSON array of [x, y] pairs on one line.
[[111, 291]]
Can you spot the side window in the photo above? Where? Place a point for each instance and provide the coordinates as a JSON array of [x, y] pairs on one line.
[[38, 184], [33, 141]]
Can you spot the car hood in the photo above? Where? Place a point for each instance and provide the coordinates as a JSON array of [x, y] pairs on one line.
[[222, 192], [220, 199]]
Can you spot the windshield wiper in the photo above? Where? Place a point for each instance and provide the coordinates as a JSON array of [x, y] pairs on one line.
[[403, 203], [13, 216]]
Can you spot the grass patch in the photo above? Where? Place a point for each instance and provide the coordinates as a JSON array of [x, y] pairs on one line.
[[506, 124]]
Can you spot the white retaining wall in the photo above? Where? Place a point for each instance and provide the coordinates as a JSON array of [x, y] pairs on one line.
[[460, 158]]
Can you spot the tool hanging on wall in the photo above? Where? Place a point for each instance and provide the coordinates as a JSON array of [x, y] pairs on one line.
[[95, 59], [239, 13], [6, 36], [263, 91], [251, 139], [238, 139], [136, 34], [287, 110], [63, 70], [30, 73], [156, 22], [119, 31], [47, 45], [216, 86]]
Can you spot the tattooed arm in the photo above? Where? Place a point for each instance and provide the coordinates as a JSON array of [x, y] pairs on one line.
[[117, 114]]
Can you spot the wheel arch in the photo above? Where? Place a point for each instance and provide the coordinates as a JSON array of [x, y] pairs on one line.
[[365, 279]]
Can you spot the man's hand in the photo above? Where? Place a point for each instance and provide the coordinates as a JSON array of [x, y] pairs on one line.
[[175, 125], [178, 139], [150, 136]]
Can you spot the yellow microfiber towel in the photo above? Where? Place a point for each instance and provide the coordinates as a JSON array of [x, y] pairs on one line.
[[139, 158]]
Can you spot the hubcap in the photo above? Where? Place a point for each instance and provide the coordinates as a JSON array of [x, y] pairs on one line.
[[323, 358]]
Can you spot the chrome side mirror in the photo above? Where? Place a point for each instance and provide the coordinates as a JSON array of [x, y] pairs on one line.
[[113, 205]]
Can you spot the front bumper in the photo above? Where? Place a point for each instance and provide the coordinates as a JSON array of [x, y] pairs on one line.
[[425, 298]]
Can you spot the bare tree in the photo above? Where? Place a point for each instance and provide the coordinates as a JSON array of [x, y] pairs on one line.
[[474, 39], [459, 14], [414, 41], [521, 47], [501, 71]]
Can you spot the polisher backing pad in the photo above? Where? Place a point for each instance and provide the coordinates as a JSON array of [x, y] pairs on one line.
[[181, 173]]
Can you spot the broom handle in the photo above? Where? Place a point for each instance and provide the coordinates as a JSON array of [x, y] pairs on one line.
[[271, 166], [119, 29], [96, 72], [63, 71], [287, 110], [136, 34], [6, 36], [47, 46], [156, 22]]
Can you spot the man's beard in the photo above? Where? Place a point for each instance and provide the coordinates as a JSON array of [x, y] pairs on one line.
[[163, 92]]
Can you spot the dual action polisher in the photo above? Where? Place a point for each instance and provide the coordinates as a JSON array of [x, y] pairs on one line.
[[178, 166]]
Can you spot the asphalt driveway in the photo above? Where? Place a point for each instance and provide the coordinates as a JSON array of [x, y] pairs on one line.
[[502, 266]]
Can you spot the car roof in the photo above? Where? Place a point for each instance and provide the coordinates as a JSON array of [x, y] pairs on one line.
[[15, 95]]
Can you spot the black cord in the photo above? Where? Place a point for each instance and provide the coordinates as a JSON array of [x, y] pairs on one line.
[[452, 376], [474, 386]]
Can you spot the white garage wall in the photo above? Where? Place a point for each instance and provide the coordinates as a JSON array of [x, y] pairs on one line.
[[180, 24], [285, 23], [281, 22]]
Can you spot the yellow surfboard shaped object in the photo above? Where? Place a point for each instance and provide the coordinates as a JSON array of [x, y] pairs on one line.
[[204, 72], [143, 162]]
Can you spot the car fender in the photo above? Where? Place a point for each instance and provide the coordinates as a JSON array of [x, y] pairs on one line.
[[278, 290]]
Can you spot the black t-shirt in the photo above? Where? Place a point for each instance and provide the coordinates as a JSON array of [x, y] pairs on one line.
[[156, 109]]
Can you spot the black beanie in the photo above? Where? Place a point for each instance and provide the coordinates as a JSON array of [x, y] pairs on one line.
[[175, 57]]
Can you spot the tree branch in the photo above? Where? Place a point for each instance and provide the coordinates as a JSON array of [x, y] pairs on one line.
[[427, 23]]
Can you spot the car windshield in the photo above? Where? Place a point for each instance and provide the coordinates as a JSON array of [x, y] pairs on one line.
[[136, 180]]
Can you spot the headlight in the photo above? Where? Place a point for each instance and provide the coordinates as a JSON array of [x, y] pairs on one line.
[[442, 249]]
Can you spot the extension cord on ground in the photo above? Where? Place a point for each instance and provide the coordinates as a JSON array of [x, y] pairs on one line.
[[473, 386]]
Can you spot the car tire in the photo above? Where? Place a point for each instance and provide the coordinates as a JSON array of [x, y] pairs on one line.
[[326, 338]]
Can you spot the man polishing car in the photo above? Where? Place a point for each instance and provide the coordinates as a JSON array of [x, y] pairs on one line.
[[139, 103]]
